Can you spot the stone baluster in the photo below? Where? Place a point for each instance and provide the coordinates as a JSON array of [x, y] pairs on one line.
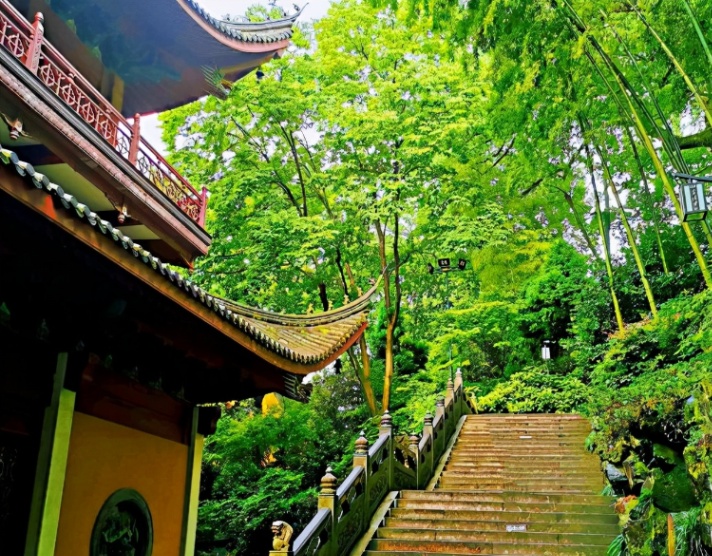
[[430, 454], [414, 450], [327, 501], [135, 139], [386, 427], [440, 407], [459, 391], [451, 422], [361, 460], [34, 51]]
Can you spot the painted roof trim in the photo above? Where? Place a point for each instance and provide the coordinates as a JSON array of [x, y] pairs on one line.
[[266, 328], [266, 32]]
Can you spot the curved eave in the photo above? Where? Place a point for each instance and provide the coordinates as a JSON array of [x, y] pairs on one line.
[[299, 344], [243, 37]]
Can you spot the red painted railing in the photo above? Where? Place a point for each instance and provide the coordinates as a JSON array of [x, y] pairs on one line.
[[26, 42]]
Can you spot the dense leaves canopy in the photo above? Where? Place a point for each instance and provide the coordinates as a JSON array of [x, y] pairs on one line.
[[538, 142]]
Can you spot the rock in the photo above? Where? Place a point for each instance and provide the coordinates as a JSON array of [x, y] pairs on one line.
[[616, 477]]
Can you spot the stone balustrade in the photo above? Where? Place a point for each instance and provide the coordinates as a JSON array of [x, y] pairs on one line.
[[393, 462]]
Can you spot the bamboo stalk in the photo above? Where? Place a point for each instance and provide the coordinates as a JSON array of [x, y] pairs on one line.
[[629, 233]]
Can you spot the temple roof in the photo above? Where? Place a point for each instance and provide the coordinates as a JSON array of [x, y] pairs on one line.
[[309, 340], [151, 56], [248, 31]]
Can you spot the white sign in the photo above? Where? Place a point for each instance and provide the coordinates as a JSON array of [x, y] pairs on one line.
[[516, 528]]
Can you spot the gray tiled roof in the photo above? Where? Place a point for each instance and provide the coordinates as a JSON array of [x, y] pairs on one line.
[[260, 32], [304, 339]]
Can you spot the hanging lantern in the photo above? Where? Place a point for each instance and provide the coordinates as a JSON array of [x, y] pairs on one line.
[[545, 351], [693, 200]]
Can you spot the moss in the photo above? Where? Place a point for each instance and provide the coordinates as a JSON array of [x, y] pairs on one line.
[[673, 491]]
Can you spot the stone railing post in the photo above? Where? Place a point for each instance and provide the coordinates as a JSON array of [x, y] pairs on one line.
[[461, 409], [327, 501], [440, 409], [32, 56], [361, 460], [413, 442], [451, 424], [386, 427], [135, 139], [428, 430]]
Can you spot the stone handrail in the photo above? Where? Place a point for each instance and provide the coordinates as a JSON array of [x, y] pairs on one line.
[[27, 43], [391, 463]]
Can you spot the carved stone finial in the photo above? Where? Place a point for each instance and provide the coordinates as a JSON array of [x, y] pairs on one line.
[[450, 384], [386, 420], [39, 17], [282, 532], [428, 420], [458, 372], [414, 439], [328, 482], [362, 444], [440, 402]]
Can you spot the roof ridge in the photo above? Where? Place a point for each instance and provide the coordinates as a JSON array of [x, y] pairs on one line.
[[359, 305], [257, 31]]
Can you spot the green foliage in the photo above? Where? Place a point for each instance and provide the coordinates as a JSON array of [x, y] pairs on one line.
[[258, 468], [536, 391], [386, 147]]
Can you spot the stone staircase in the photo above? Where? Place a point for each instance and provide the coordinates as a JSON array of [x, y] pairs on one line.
[[512, 484]]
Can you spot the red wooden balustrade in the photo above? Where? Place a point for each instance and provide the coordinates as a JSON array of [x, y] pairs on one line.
[[25, 41]]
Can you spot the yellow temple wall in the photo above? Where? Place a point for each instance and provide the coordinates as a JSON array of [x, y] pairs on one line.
[[105, 457]]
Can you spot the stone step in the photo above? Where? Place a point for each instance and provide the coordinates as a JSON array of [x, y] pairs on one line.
[[411, 547], [549, 417], [520, 538], [532, 480], [610, 529], [516, 432], [529, 436], [507, 496], [504, 464], [527, 474], [581, 428], [558, 452], [524, 440], [514, 515], [551, 507], [543, 489], [522, 453]]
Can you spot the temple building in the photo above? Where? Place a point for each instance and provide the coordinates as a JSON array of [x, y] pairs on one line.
[[109, 358]]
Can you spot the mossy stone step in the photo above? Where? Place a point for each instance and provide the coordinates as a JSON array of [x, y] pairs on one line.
[[404, 546], [506, 516], [405, 503], [513, 484], [507, 496], [610, 529], [493, 536]]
